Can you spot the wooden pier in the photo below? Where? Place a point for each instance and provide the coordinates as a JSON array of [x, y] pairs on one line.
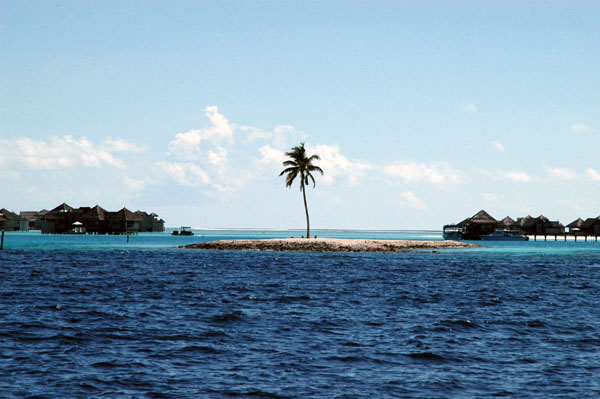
[[566, 236]]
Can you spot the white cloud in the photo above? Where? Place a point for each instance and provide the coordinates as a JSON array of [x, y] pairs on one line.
[[581, 128], [592, 174], [221, 129], [188, 146], [408, 199], [498, 146], [515, 176], [270, 155], [57, 153], [216, 156], [470, 108], [336, 166], [200, 157], [281, 137], [562, 173], [185, 173], [120, 145], [413, 172]]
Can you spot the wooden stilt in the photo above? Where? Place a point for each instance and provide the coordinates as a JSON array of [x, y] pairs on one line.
[[2, 241]]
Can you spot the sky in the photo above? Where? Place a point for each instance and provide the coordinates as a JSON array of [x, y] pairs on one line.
[[423, 112]]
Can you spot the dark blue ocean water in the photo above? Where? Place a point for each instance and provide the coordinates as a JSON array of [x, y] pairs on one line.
[[102, 318]]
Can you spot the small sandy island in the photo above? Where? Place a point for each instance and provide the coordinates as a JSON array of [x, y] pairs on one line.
[[328, 245]]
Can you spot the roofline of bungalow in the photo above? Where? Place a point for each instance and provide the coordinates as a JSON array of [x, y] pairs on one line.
[[62, 219]]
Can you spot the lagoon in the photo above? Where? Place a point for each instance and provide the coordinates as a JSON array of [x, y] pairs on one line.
[[95, 316]]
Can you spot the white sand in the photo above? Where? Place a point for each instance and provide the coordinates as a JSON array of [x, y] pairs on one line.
[[328, 245]]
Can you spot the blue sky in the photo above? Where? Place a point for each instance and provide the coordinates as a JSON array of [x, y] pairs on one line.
[[424, 112]]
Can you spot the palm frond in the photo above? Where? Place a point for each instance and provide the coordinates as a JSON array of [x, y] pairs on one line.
[[289, 179], [299, 163], [313, 168], [312, 178], [289, 170]]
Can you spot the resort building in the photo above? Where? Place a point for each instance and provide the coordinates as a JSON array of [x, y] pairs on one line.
[[9, 220], [65, 219], [591, 226], [482, 223], [31, 220], [575, 227], [151, 222], [540, 225]]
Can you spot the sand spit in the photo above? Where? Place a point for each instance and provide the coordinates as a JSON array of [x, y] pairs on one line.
[[328, 245]]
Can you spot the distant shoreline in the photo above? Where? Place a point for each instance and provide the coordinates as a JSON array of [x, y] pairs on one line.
[[327, 245]]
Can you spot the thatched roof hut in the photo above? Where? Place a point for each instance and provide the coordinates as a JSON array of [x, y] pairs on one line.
[[58, 220], [507, 221], [481, 217], [575, 226], [540, 225], [150, 222], [124, 221], [95, 213], [591, 226], [95, 220], [98, 220], [62, 208], [482, 223], [10, 220], [3, 221]]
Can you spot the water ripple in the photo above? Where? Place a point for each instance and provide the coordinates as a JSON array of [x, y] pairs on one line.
[[186, 324]]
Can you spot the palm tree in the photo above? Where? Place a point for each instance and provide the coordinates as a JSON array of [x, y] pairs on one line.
[[299, 164]]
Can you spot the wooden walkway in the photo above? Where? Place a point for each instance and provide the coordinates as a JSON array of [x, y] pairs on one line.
[[565, 236]]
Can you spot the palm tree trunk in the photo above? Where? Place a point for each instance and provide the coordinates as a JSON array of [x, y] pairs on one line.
[[306, 210]]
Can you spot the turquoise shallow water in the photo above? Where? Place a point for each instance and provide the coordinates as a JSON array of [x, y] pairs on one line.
[[35, 240]]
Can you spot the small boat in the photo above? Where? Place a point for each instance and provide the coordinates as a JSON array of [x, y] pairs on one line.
[[504, 235], [452, 232], [183, 231]]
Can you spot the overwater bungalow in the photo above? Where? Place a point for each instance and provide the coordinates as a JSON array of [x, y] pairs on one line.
[[9, 220], [591, 226], [151, 222], [124, 221], [95, 220], [482, 223], [31, 220], [538, 226], [575, 226], [65, 219], [58, 220]]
